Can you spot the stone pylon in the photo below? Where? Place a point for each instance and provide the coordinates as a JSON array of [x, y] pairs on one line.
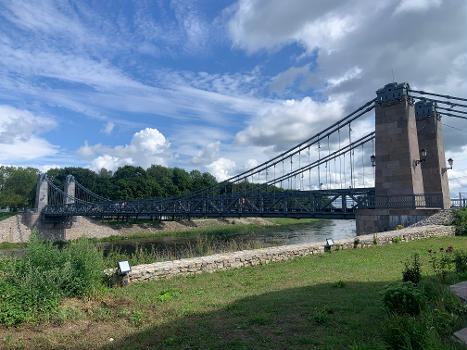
[[70, 186], [430, 138], [42, 192], [396, 143]]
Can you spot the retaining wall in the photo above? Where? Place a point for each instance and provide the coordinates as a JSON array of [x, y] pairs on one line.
[[254, 257]]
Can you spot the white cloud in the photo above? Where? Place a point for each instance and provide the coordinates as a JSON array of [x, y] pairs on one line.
[[289, 122], [109, 126], [19, 135], [222, 168], [208, 154], [147, 147], [416, 5]]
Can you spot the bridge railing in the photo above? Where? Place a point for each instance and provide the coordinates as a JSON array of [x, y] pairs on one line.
[[406, 201], [458, 202]]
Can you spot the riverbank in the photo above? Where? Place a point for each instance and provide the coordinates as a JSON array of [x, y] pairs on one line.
[[328, 301]]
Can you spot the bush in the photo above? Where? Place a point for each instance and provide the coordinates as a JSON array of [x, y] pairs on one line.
[[36, 284], [460, 260], [410, 333], [412, 271], [460, 222], [403, 297]]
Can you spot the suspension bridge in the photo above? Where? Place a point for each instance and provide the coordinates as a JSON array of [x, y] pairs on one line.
[[386, 154]]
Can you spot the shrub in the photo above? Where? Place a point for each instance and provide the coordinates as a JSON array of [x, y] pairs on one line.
[[441, 261], [36, 284], [410, 333], [85, 271], [460, 222], [403, 297], [412, 271], [460, 260]]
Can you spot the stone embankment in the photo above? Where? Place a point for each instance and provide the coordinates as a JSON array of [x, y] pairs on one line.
[[254, 257], [442, 217]]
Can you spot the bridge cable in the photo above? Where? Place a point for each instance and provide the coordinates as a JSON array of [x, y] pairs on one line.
[[433, 94]]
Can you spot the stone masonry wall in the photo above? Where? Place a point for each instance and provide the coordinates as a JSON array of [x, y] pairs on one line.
[[254, 257]]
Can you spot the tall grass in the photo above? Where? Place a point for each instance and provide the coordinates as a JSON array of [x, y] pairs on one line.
[[460, 222], [33, 286], [201, 246]]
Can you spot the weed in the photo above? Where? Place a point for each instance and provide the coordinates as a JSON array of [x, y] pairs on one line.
[[339, 284], [396, 240], [136, 318], [460, 260], [320, 316], [403, 298], [168, 294], [412, 270], [375, 239]]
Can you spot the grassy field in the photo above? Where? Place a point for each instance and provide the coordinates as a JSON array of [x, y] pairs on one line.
[[330, 301]]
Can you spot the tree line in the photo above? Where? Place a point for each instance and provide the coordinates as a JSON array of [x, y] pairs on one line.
[[18, 185]]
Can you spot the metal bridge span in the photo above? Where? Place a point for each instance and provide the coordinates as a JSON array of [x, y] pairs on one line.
[[345, 167]]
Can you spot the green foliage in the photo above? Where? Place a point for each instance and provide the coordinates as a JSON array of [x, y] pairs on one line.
[[168, 294], [442, 261], [460, 260], [136, 318], [403, 297], [412, 270], [340, 284], [442, 315], [396, 240], [460, 222], [36, 284], [17, 187]]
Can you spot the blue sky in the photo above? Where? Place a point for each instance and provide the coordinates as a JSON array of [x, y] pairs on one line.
[[214, 85]]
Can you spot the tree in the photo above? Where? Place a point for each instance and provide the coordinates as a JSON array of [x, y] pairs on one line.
[[18, 187]]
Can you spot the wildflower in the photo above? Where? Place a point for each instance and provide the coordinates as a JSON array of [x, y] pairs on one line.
[[441, 248], [429, 250]]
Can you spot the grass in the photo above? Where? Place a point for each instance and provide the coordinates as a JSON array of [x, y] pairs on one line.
[[330, 301]]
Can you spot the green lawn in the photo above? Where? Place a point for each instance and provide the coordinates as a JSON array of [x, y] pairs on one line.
[[330, 301]]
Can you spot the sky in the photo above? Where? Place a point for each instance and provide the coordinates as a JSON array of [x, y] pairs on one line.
[[212, 85]]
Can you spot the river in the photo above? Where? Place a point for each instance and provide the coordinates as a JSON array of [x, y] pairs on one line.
[[182, 245]]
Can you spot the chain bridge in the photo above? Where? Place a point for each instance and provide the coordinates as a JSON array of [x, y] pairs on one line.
[[386, 154]]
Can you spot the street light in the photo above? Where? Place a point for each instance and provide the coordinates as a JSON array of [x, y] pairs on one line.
[[423, 155], [450, 161], [373, 160]]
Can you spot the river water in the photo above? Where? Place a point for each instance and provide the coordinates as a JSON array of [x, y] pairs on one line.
[[183, 245]]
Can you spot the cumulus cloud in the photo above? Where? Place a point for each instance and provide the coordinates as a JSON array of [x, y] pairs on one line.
[[208, 154], [222, 168], [416, 5], [147, 147], [289, 122], [19, 135]]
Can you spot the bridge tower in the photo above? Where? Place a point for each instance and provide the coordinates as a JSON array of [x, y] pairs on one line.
[[396, 143], [42, 192], [430, 138], [70, 186]]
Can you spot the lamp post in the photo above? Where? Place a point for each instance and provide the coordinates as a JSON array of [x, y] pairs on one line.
[[373, 160], [450, 162], [423, 155]]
